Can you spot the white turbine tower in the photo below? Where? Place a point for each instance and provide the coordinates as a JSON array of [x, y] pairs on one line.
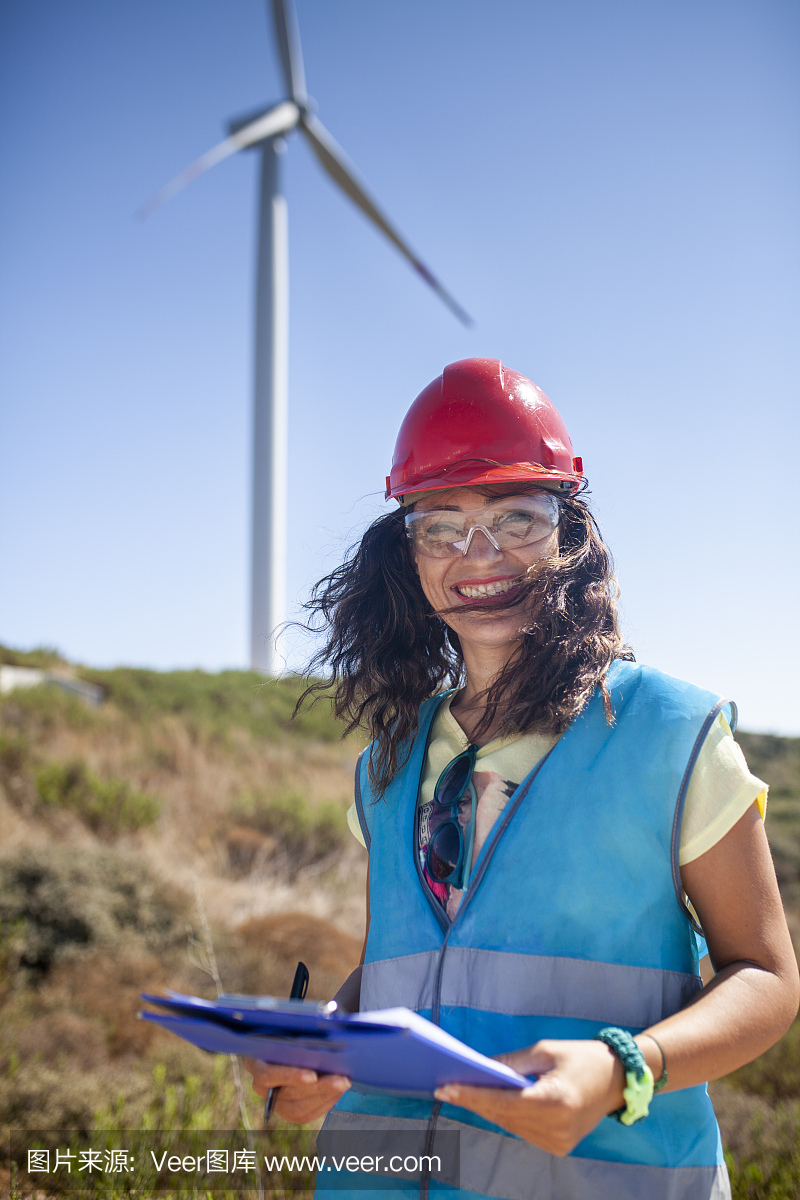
[[265, 131]]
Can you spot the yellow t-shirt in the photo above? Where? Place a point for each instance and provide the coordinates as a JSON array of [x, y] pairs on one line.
[[720, 791]]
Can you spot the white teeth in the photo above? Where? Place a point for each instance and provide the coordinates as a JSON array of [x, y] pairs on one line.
[[475, 591]]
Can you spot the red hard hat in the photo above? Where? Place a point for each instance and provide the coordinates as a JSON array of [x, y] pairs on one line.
[[481, 423]]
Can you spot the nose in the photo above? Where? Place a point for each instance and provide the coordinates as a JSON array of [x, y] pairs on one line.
[[480, 548]]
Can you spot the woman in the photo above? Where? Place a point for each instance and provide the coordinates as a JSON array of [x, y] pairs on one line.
[[534, 834]]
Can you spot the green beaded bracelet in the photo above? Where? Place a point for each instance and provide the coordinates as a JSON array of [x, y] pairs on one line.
[[639, 1078]]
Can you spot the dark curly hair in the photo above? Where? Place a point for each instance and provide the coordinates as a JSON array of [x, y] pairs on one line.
[[388, 651]]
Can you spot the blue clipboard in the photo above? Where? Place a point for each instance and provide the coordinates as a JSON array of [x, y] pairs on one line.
[[393, 1050]]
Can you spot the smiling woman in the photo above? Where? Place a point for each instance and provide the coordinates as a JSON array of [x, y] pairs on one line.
[[517, 530], [545, 820], [510, 568]]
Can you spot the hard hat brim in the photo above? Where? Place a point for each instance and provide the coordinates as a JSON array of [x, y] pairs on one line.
[[477, 473]]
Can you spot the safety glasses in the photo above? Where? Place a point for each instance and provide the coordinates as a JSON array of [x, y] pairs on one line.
[[449, 852], [509, 523]]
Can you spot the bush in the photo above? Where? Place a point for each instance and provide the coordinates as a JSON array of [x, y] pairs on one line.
[[59, 903], [14, 756], [762, 1144], [765, 1178], [776, 1073], [42, 657], [39, 710], [776, 760], [107, 806], [219, 702], [304, 834]]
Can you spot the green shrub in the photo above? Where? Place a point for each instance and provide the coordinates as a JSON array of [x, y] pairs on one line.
[[43, 708], [774, 1074], [304, 834], [776, 760], [107, 806], [15, 769], [57, 901], [770, 1179], [42, 657], [14, 755], [12, 942], [771, 1170], [218, 702]]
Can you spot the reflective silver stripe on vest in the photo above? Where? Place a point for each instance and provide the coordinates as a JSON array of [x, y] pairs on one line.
[[525, 984], [510, 1169]]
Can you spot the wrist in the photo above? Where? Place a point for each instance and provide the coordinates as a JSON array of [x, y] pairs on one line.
[[638, 1090], [654, 1057], [614, 1098]]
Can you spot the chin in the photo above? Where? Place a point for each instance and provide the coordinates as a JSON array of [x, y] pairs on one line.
[[485, 631]]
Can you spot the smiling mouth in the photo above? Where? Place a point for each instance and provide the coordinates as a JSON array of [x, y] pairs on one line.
[[484, 591]]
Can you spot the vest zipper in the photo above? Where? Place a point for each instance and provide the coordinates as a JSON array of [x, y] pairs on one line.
[[444, 921], [440, 913], [476, 876], [472, 885]]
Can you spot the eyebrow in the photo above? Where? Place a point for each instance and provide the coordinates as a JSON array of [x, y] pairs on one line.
[[454, 508]]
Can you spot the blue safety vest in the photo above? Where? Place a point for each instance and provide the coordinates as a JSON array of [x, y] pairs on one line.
[[573, 919]]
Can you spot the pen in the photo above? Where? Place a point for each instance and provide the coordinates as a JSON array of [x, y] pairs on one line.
[[299, 989]]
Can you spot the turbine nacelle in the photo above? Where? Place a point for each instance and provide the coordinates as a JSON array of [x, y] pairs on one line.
[[248, 128]]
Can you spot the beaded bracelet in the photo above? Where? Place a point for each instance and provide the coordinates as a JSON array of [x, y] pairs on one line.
[[639, 1078]]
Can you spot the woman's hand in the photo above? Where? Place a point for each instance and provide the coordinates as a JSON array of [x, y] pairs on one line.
[[579, 1083], [302, 1096]]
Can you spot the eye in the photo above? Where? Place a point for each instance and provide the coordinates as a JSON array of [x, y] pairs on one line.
[[528, 519], [514, 520], [517, 523], [443, 531]]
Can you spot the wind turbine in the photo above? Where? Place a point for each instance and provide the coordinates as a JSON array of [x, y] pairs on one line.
[[265, 131]]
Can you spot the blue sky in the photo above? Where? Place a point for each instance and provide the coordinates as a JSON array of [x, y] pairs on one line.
[[611, 189]]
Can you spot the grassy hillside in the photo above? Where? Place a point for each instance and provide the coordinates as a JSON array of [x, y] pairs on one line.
[[777, 760], [183, 790], [186, 791], [759, 1105]]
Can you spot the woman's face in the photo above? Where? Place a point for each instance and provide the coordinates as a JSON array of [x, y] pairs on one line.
[[484, 576]]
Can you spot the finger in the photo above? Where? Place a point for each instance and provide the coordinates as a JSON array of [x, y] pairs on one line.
[[326, 1086], [271, 1078], [259, 1064], [533, 1060], [301, 1105], [486, 1102], [271, 1075]]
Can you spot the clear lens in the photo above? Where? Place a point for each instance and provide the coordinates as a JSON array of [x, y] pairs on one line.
[[513, 521]]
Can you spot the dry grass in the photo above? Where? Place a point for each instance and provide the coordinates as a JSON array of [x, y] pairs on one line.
[[253, 811], [203, 779], [91, 915]]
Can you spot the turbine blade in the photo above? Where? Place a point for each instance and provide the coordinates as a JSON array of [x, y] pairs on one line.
[[334, 161], [287, 35], [275, 121]]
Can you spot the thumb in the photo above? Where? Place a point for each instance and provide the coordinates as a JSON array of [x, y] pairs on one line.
[[533, 1060]]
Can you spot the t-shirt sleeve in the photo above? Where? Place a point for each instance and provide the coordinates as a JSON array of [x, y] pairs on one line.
[[720, 791], [355, 824]]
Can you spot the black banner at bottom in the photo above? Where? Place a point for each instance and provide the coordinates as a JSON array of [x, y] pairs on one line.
[[106, 1164]]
